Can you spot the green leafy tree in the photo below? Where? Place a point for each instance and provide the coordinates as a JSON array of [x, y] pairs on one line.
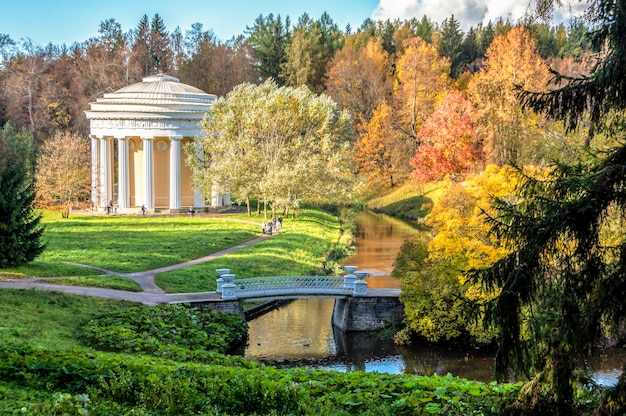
[[286, 145], [20, 228], [565, 277]]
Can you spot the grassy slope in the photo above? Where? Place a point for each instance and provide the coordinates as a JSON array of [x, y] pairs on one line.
[[46, 318], [298, 249], [410, 201]]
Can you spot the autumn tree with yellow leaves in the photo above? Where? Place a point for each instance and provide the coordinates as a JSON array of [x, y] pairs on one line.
[[510, 133], [64, 173]]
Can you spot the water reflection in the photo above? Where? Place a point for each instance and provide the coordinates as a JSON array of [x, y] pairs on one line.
[[378, 240], [299, 330], [300, 333]]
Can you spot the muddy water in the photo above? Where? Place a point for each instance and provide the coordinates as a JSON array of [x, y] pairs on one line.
[[301, 334]]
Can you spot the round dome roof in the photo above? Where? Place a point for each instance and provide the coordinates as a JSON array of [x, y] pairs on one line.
[[161, 90], [157, 98]]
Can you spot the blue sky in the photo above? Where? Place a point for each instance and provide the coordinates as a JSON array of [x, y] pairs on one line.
[[68, 21]]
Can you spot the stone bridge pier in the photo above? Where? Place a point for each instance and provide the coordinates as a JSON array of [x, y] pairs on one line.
[[369, 313]]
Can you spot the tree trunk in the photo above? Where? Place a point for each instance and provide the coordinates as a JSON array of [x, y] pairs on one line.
[[265, 208], [31, 115], [248, 206]]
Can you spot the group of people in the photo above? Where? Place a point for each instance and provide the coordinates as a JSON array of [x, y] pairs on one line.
[[273, 226]]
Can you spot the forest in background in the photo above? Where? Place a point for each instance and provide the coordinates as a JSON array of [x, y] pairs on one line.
[[426, 99]]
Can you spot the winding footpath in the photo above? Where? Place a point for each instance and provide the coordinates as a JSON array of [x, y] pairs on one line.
[[151, 294]]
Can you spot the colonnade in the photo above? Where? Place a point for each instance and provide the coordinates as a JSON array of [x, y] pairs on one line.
[[103, 174]]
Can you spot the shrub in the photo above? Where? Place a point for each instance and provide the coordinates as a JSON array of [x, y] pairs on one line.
[[167, 328]]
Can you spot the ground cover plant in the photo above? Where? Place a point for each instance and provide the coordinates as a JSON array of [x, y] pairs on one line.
[[148, 329], [122, 383], [128, 243]]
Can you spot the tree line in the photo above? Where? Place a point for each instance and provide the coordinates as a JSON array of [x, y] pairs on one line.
[[425, 100], [46, 88]]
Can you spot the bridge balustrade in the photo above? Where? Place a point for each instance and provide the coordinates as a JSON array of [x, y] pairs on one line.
[[273, 283], [232, 288]]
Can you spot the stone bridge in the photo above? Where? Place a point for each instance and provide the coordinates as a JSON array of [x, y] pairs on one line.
[[357, 308]]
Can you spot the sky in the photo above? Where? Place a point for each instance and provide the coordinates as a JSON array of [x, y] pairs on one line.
[[68, 21]]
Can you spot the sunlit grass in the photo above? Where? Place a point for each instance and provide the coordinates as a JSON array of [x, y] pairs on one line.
[[410, 200], [299, 249], [109, 282], [129, 244], [46, 318]]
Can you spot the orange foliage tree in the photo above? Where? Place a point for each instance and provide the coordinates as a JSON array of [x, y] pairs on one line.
[[358, 78], [448, 144], [373, 151], [64, 173], [511, 134], [422, 76]]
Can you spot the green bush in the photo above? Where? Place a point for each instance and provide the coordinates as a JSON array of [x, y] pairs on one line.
[[126, 384], [143, 329], [155, 386]]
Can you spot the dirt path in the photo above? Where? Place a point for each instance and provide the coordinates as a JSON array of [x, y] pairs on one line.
[[151, 293]]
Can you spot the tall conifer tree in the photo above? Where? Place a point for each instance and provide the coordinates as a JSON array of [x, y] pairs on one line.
[[564, 280], [20, 228]]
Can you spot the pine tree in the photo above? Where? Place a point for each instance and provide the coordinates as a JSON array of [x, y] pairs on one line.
[[20, 228], [268, 39], [565, 277], [451, 45]]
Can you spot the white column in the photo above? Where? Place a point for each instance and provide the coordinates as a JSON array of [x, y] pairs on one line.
[[95, 171], [198, 198], [105, 157], [148, 173], [122, 174], [175, 172]]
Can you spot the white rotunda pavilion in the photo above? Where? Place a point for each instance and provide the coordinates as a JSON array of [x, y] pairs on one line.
[[138, 135]]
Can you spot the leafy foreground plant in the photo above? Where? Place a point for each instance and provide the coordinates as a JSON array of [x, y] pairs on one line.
[[111, 384], [165, 330]]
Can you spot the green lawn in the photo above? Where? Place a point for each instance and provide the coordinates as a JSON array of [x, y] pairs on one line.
[[299, 249], [132, 244], [111, 282], [129, 244], [48, 319]]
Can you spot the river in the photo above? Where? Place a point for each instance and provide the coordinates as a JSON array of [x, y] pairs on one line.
[[300, 333]]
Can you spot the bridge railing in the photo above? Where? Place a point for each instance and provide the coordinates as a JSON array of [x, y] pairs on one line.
[[350, 284], [254, 284]]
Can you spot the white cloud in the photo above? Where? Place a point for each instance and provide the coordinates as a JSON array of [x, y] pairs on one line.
[[467, 12]]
